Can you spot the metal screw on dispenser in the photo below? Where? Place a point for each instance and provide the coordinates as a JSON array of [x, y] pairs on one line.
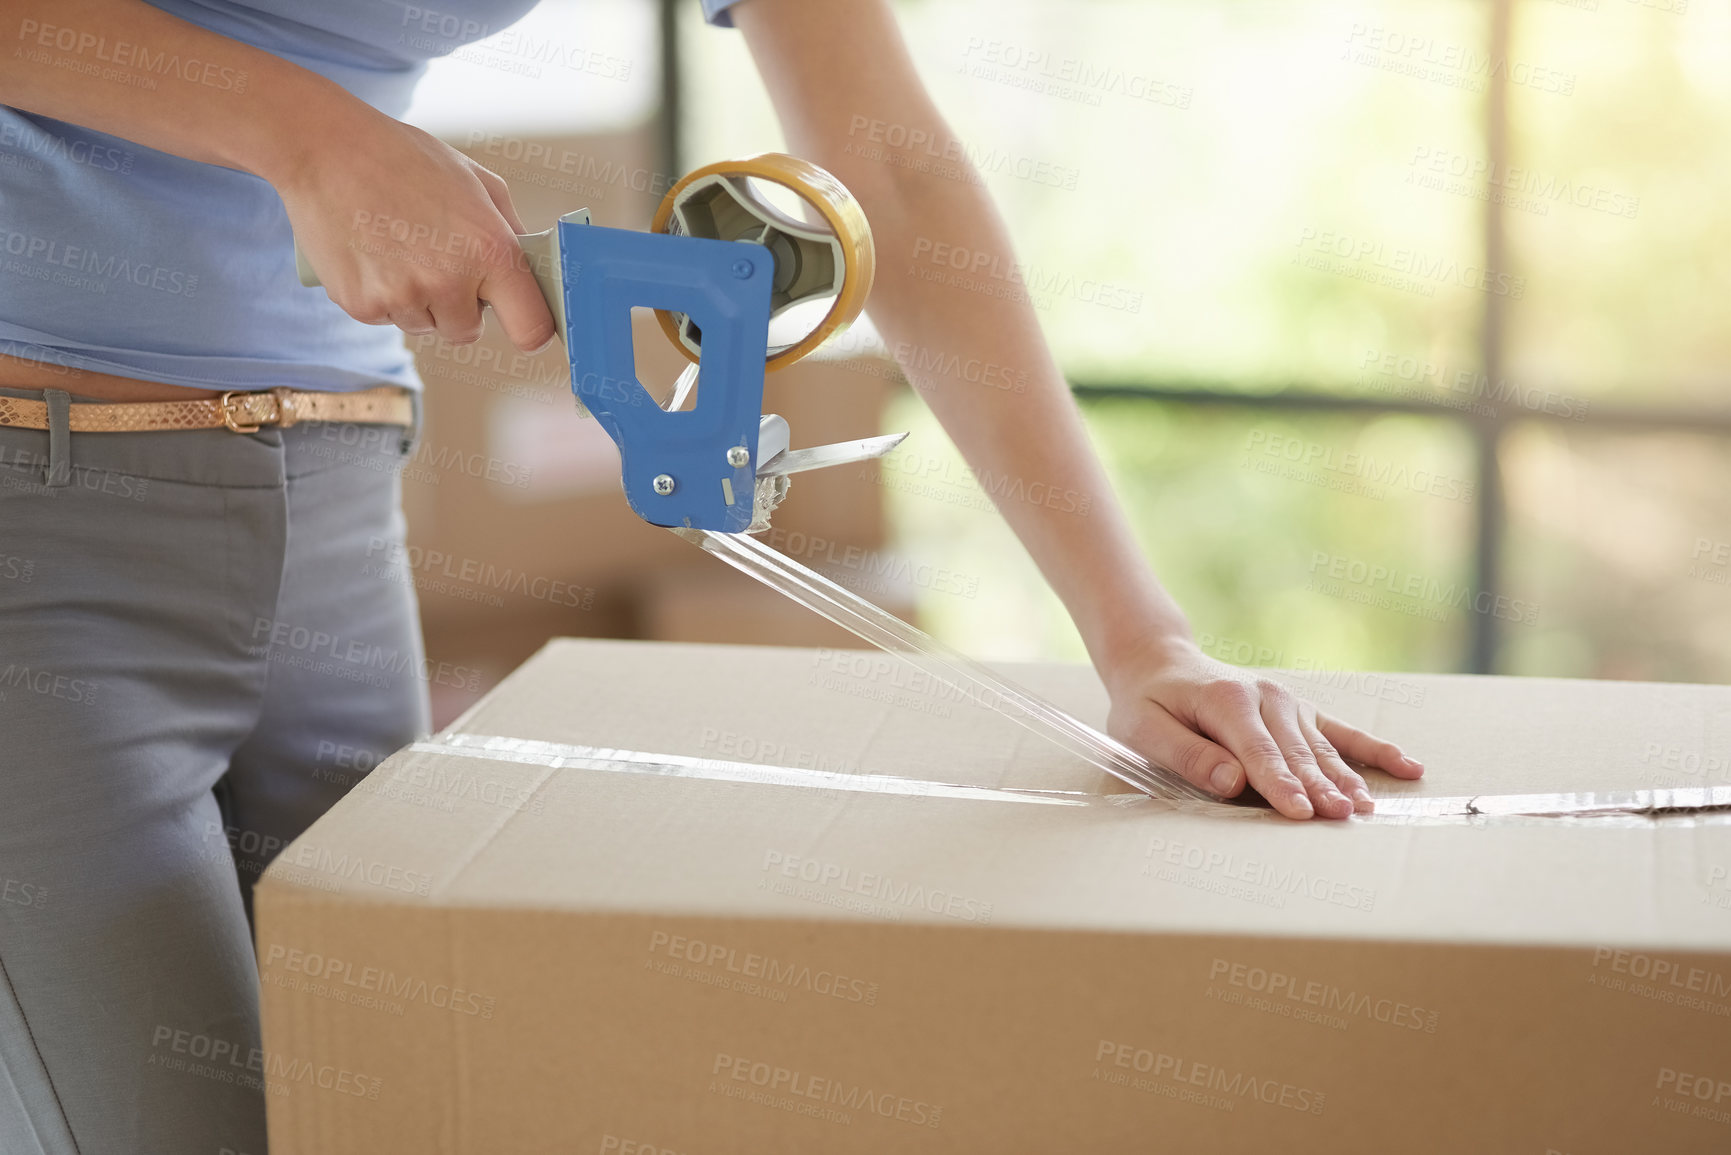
[[663, 484], [738, 457]]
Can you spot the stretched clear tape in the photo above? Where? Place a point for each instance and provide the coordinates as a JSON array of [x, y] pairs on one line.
[[561, 756], [682, 388], [964, 677], [1630, 808]]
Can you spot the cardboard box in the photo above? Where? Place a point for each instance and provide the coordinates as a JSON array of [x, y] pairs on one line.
[[487, 948]]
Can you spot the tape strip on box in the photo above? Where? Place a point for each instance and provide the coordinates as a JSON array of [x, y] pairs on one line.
[[557, 755], [1635, 805]]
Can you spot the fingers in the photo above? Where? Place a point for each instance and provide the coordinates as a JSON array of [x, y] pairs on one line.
[[1361, 747], [1172, 744], [413, 321], [1344, 777], [1294, 757], [509, 287], [454, 312], [456, 320], [1232, 712], [519, 305], [1280, 713], [459, 318], [1286, 752]]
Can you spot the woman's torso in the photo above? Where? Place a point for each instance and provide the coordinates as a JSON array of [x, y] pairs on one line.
[[122, 265]]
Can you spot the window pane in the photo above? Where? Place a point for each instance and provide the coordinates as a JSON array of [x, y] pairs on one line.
[[1625, 540], [1297, 196], [1201, 191], [1617, 203], [1302, 541]]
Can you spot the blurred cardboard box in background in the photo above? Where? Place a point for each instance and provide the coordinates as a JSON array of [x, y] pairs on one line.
[[518, 528]]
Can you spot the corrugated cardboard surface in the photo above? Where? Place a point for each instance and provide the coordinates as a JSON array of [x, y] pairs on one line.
[[474, 955]]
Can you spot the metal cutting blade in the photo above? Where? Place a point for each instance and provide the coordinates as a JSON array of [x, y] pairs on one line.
[[823, 456]]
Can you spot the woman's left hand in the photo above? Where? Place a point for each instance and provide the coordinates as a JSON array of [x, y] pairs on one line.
[[1221, 726]]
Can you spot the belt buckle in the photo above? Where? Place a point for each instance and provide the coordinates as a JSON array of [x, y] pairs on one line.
[[284, 414]]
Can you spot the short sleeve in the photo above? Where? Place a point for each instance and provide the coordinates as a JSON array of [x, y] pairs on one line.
[[715, 11]]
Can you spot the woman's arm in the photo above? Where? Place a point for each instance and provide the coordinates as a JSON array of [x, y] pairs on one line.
[[237, 109], [379, 207], [842, 83]]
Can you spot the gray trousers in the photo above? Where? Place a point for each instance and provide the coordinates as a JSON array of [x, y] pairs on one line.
[[201, 649]]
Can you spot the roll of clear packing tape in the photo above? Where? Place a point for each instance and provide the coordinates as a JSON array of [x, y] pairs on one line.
[[832, 259]]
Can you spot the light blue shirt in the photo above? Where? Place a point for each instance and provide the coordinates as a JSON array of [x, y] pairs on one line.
[[122, 259]]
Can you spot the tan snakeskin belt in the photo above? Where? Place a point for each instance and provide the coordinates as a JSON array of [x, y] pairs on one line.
[[241, 412]]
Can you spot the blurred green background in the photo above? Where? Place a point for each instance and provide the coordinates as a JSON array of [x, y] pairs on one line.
[[1304, 211]]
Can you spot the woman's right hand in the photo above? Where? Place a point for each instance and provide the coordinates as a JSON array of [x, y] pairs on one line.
[[404, 230]]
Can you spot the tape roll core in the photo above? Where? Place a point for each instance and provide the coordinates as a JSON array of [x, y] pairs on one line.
[[797, 265]]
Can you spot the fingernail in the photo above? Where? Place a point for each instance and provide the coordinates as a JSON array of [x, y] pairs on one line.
[[1301, 804], [1412, 763], [1224, 778], [1362, 801]]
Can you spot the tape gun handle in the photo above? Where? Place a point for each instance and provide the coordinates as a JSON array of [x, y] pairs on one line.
[[540, 249]]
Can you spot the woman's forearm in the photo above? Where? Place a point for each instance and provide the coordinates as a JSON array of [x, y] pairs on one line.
[[125, 68], [951, 306]]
